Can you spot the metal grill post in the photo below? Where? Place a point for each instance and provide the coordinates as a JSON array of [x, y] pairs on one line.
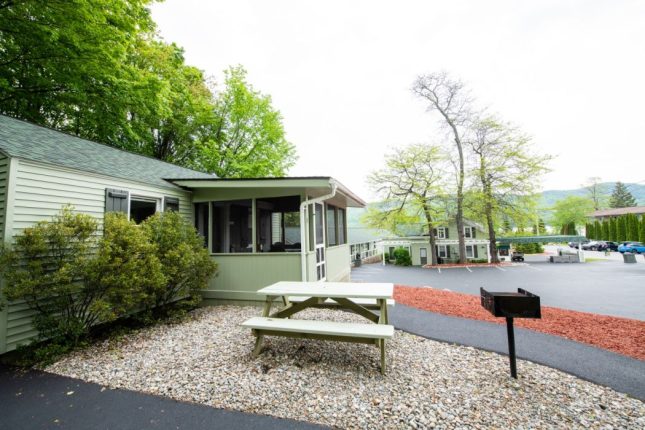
[[511, 346]]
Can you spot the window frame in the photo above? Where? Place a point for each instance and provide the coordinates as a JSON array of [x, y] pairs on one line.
[[442, 251], [468, 229], [472, 251], [441, 232]]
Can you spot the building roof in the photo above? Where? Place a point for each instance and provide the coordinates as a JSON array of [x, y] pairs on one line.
[[619, 211], [28, 141], [315, 186]]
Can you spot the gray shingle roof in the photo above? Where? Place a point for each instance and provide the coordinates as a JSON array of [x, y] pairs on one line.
[[32, 142]]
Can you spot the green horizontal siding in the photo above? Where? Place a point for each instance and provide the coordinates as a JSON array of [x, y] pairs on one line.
[[338, 263], [240, 276]]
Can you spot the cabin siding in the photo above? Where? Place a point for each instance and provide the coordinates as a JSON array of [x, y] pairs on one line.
[[338, 263], [39, 191]]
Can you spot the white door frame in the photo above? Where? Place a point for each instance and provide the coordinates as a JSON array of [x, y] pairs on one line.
[[319, 249]]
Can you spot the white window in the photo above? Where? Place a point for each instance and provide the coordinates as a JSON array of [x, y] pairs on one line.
[[468, 232], [441, 232], [142, 208], [443, 251], [470, 252]]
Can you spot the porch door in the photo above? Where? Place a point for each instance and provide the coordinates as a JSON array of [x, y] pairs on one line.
[[423, 253], [319, 241]]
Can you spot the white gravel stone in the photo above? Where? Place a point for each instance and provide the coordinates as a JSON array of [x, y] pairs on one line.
[[207, 360]]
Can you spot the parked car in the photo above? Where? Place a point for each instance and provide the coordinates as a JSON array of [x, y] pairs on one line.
[[517, 256], [611, 246], [592, 246], [636, 247], [575, 244]]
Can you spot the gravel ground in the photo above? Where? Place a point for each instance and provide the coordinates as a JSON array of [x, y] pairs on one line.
[[207, 359]]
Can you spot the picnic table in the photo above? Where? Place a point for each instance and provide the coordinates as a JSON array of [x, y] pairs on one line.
[[361, 299]]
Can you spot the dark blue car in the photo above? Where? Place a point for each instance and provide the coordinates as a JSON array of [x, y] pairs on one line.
[[636, 247]]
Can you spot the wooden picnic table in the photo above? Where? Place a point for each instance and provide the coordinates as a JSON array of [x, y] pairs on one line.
[[297, 296]]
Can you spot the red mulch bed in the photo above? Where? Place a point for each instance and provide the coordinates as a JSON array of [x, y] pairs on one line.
[[621, 335]]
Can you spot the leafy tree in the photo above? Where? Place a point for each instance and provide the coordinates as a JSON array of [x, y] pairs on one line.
[[632, 227], [571, 211], [449, 98], [613, 230], [597, 229], [595, 190], [505, 169], [621, 228], [65, 64], [245, 137], [589, 233], [569, 229], [605, 230], [621, 197], [185, 263], [412, 182], [641, 230]]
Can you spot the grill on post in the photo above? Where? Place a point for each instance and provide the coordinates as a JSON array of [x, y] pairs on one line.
[[511, 305]]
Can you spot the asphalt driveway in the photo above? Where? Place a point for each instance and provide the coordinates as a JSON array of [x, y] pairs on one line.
[[608, 287]]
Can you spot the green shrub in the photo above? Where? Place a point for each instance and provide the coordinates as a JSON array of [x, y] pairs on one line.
[[185, 262], [125, 270], [402, 257], [386, 257], [46, 267]]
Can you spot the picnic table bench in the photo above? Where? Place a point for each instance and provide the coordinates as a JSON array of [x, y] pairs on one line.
[[298, 296]]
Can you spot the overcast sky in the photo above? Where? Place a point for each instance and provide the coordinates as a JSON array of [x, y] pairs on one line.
[[569, 73]]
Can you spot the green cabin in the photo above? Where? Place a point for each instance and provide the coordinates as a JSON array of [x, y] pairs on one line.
[[259, 231]]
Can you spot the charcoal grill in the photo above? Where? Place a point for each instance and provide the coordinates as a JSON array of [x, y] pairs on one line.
[[511, 305]]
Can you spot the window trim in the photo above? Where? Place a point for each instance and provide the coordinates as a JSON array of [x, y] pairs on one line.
[[445, 251], [472, 251], [441, 232], [468, 229]]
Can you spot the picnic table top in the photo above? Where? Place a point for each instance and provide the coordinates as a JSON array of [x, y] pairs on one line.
[[374, 290]]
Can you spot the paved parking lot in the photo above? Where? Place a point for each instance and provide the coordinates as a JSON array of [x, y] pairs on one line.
[[608, 287]]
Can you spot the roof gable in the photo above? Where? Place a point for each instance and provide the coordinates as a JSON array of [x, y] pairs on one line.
[[32, 142]]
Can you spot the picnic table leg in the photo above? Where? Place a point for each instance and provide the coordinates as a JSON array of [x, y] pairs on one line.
[[383, 320], [259, 337], [382, 341]]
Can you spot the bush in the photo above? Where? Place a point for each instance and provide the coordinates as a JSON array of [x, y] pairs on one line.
[[185, 263], [528, 248], [386, 257], [402, 257], [46, 267], [74, 278]]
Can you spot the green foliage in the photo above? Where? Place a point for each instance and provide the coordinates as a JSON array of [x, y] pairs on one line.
[[605, 231], [97, 70], [125, 270], [589, 233], [621, 197], [529, 248], [621, 228], [47, 267], [597, 229], [571, 211], [402, 257], [641, 230], [75, 278], [246, 137], [386, 257], [632, 227], [185, 263], [613, 230]]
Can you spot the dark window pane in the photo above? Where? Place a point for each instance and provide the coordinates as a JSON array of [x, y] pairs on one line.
[[171, 204], [278, 224], [331, 226], [141, 209], [201, 220], [232, 226], [341, 227], [319, 224]]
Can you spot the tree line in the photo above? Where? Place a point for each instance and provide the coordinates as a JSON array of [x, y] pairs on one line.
[[623, 228], [98, 70], [483, 168]]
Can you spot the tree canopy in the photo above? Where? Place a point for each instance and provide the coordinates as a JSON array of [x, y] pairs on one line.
[[571, 211], [96, 69], [621, 197]]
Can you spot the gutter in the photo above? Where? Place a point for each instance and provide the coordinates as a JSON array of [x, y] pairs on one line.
[[303, 231]]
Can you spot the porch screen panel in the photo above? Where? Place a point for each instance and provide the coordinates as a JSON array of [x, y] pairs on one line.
[[319, 224], [232, 226], [278, 224], [342, 239], [331, 225], [201, 221]]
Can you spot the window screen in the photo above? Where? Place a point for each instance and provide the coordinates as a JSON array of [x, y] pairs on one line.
[[142, 208], [201, 220], [232, 226], [331, 226], [278, 224]]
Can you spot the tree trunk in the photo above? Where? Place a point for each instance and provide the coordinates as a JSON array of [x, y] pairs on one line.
[[460, 202], [433, 248], [491, 237]]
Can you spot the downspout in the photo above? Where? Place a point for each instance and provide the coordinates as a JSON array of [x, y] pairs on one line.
[[303, 231]]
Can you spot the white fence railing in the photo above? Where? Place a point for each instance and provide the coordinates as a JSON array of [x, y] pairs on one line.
[[365, 249]]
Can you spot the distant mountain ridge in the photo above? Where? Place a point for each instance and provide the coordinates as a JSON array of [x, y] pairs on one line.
[[549, 197]]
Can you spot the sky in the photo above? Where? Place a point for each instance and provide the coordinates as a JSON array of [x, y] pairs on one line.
[[571, 74]]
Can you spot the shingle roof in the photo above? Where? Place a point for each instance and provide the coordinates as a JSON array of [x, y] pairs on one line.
[[619, 211], [32, 142]]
